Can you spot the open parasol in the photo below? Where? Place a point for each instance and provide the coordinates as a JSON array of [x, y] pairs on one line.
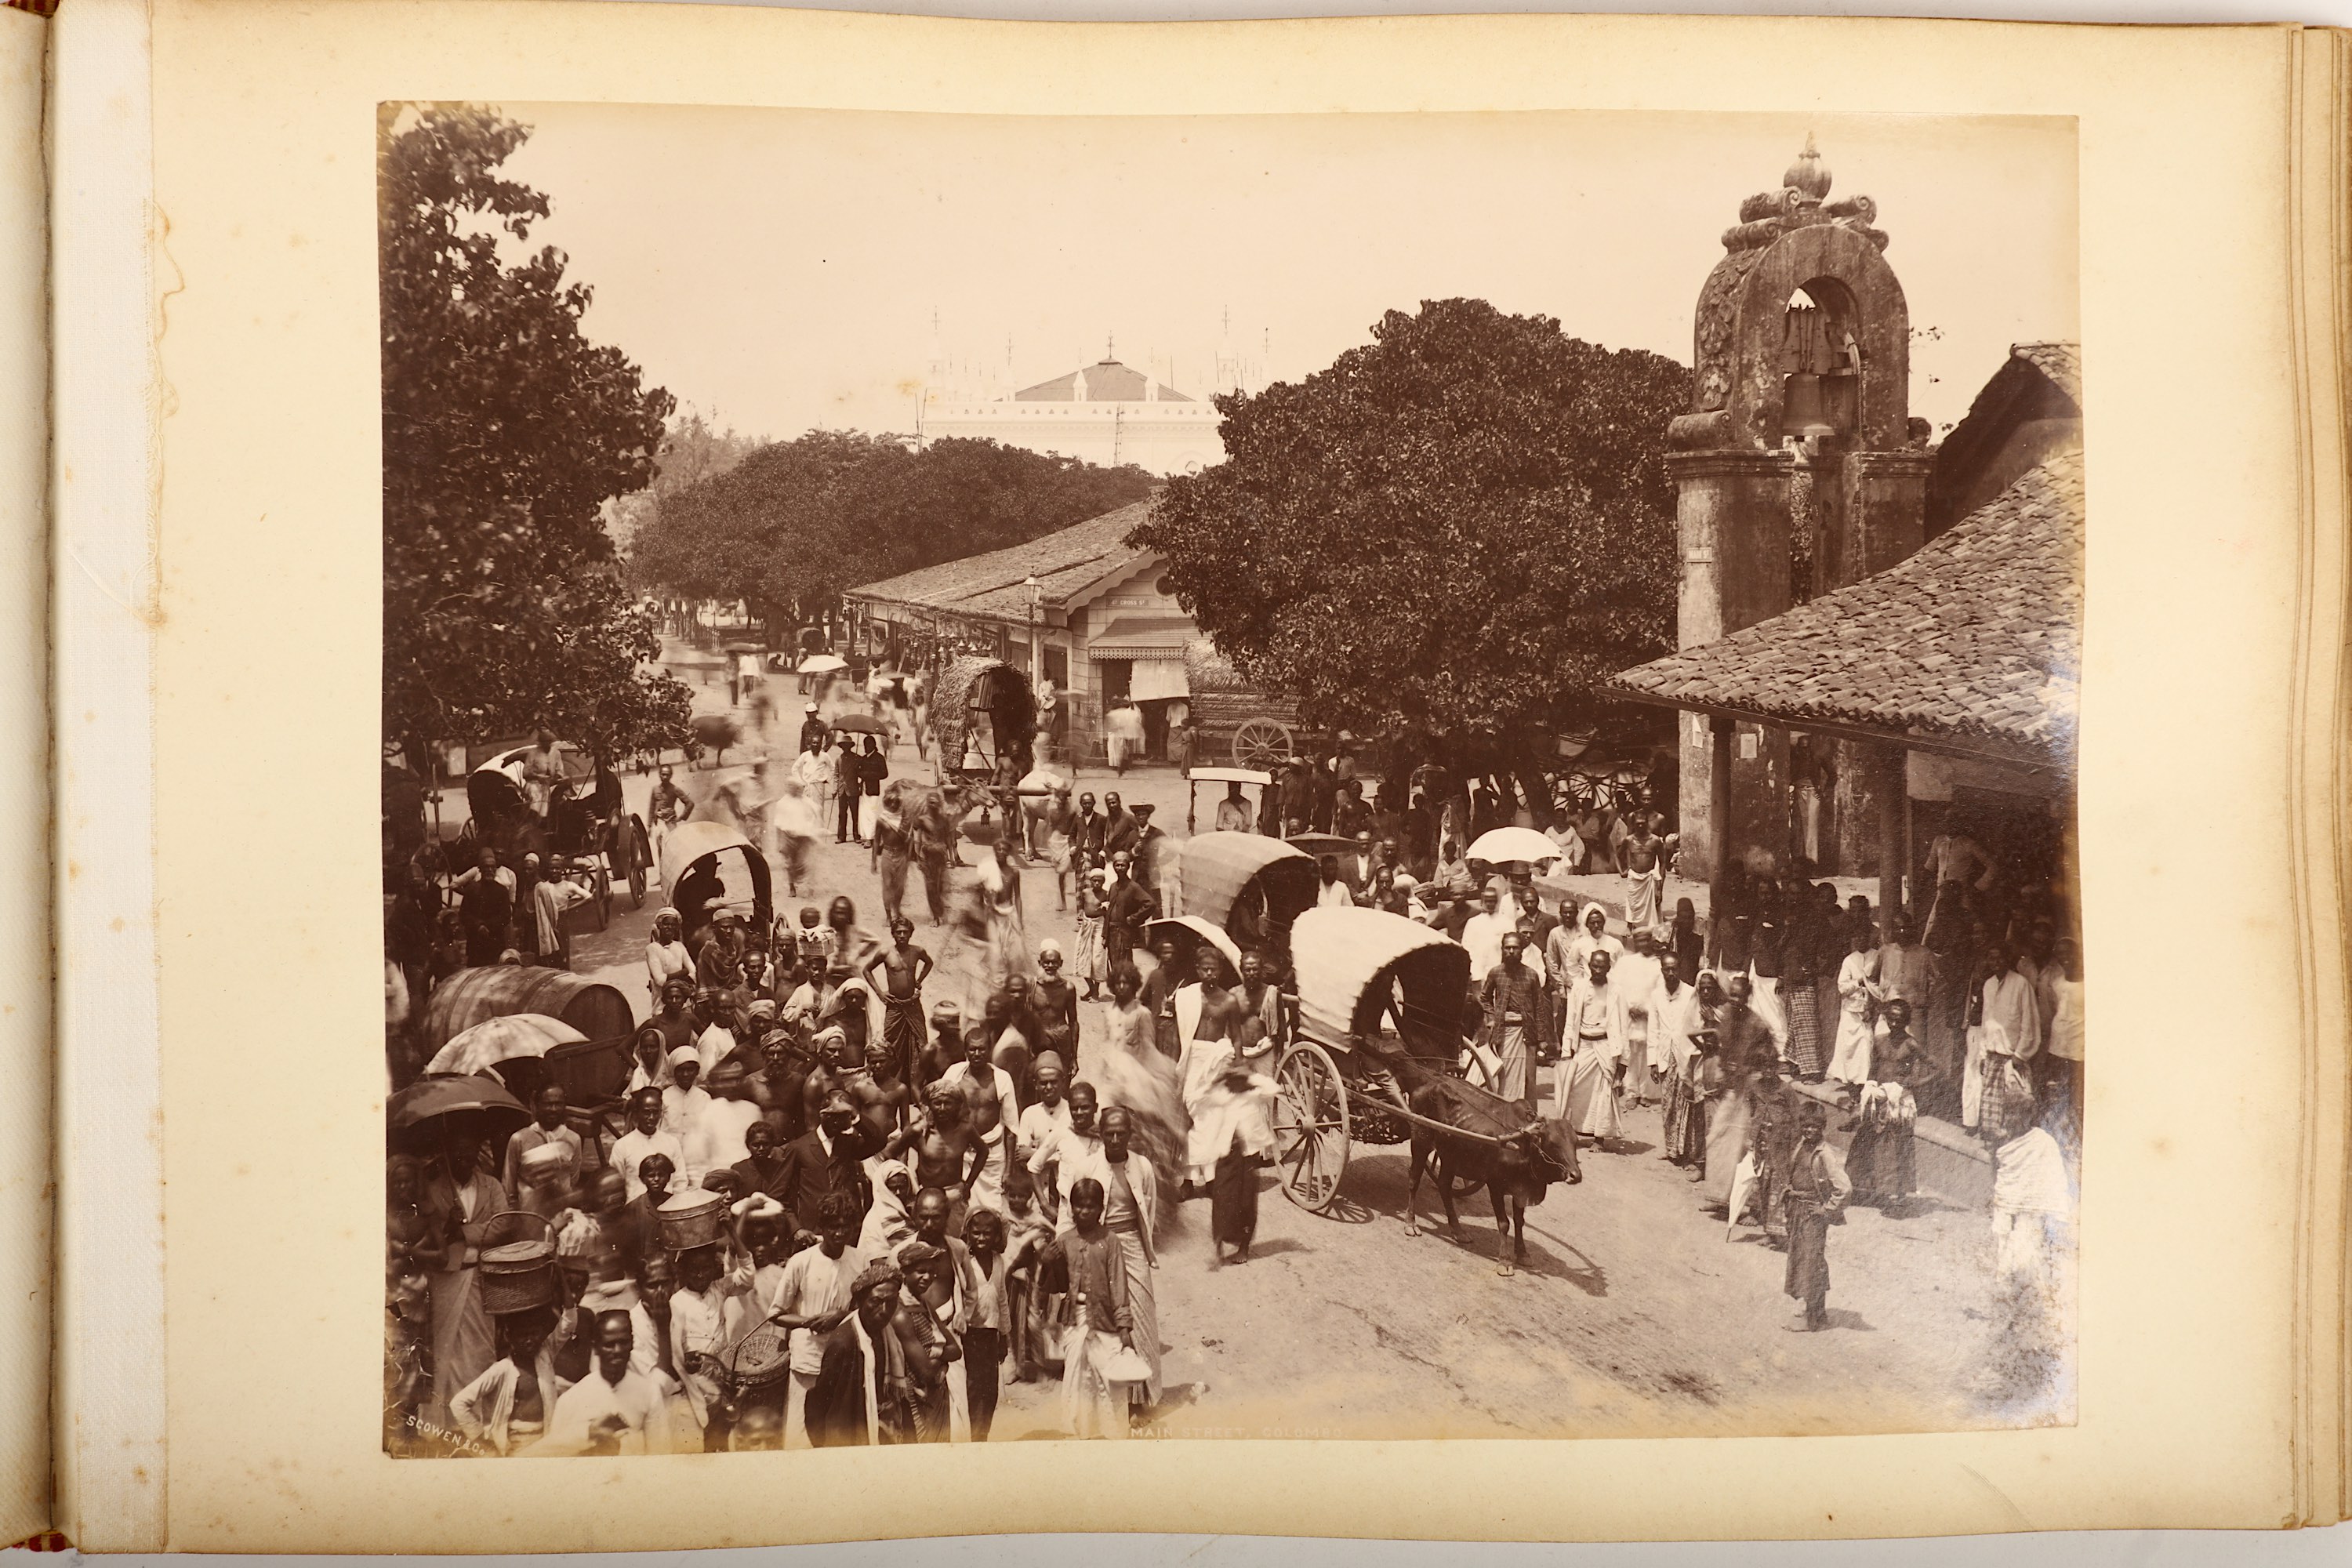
[[1321, 844], [1503, 846], [427, 1111], [859, 724], [502, 1040], [822, 663]]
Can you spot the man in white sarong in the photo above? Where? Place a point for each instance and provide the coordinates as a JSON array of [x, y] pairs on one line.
[[1638, 977], [1590, 936], [1208, 1018], [1592, 1055], [1484, 932]]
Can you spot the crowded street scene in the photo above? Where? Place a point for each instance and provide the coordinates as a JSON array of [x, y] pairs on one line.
[[979, 936]]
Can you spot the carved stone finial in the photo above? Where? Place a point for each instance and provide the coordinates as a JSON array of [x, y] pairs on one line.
[[1806, 176]]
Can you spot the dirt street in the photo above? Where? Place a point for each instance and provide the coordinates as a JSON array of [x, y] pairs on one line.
[[1633, 1314]]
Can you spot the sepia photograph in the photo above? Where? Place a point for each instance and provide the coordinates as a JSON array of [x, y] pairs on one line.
[[1351, 776]]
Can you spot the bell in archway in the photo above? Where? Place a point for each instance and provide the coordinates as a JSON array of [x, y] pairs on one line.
[[1800, 405]]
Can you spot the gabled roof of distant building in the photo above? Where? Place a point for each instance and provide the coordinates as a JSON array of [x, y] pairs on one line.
[[1106, 382], [1973, 645], [2038, 386], [1068, 564]]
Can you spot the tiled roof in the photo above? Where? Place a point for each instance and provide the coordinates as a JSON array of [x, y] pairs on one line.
[[994, 586], [2062, 363], [1108, 382], [1976, 639]]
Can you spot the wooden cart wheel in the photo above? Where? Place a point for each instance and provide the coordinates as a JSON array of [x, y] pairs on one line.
[[1260, 744], [633, 835], [1310, 1126]]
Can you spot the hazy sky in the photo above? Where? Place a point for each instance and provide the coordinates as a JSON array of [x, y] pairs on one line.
[[780, 268]]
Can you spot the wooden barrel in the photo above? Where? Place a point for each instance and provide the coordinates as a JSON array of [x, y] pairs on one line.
[[471, 996]]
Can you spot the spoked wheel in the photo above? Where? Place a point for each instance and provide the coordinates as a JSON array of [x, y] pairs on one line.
[[1260, 744], [633, 837], [1310, 1126]]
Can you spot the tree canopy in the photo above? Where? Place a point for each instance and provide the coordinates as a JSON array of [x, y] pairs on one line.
[[1457, 528], [505, 431], [790, 527]]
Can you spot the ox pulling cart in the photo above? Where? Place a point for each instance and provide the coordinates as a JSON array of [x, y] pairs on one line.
[[1382, 1003]]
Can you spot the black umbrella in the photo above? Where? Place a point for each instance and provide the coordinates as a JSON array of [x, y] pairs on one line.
[[427, 1112]]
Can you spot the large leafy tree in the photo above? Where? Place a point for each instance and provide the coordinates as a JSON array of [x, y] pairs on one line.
[[1448, 536], [505, 430], [788, 528]]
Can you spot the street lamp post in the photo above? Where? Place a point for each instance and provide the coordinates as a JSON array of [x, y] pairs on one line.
[[1036, 629]]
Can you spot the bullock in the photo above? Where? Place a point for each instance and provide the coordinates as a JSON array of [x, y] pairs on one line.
[[1514, 1158]]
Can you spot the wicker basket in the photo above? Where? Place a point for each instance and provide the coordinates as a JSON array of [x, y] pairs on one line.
[[692, 1219], [518, 1275]]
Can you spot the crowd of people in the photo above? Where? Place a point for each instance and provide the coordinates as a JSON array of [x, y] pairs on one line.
[[855, 1189], [846, 1202]]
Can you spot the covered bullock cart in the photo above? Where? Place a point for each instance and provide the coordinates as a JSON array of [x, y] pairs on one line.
[[1381, 1004], [1251, 886], [985, 716], [592, 1070]]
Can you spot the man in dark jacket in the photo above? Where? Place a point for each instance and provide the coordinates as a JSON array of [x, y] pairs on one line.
[[827, 1159]]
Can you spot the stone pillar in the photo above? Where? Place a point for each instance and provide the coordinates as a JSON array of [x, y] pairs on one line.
[[1719, 845], [1886, 506], [1732, 510], [1884, 500], [1894, 831]]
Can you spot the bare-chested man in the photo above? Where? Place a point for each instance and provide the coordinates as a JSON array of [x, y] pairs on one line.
[[1259, 1034], [944, 1151], [1210, 1017], [780, 1089], [897, 973], [1644, 853], [842, 1069], [990, 1111], [946, 1048]]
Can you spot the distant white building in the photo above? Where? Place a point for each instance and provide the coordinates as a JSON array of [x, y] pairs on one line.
[[1104, 413]]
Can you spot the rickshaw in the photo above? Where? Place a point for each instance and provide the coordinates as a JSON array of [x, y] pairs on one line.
[[1199, 777], [592, 1070], [1251, 885], [1382, 1009], [707, 866]]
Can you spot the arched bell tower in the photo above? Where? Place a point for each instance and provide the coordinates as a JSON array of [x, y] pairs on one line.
[[1802, 389]]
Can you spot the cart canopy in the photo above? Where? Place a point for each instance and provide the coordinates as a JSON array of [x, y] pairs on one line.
[[472, 996], [1189, 932], [1212, 871], [1349, 962], [495, 789]]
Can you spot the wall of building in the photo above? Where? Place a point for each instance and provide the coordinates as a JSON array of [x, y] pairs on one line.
[[1164, 438]]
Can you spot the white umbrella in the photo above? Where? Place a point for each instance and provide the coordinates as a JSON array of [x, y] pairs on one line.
[[822, 663], [1501, 846], [502, 1040]]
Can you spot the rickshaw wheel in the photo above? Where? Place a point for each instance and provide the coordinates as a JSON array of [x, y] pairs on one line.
[[633, 834], [1260, 744], [1310, 1126]]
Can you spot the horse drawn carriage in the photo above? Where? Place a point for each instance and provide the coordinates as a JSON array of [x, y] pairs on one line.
[[587, 828], [1383, 1007]]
